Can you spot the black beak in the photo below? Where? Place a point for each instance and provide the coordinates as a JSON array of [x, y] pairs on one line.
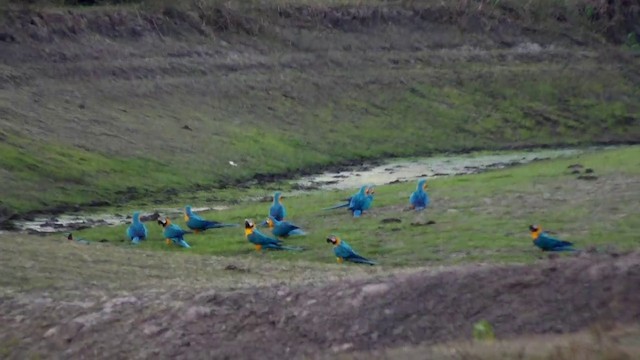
[[161, 222], [247, 224], [533, 228], [330, 240]]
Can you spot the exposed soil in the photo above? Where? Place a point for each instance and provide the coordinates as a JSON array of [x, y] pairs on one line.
[[429, 306]]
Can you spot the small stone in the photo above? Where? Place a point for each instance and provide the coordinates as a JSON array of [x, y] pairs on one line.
[[196, 312], [375, 289], [51, 332]]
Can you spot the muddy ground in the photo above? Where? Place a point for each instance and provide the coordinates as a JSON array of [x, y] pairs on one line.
[[425, 307]]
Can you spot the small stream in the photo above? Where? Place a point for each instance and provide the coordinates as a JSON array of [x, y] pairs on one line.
[[393, 171]]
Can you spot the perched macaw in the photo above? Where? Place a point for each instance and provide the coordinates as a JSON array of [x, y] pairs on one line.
[[359, 202], [277, 210], [343, 251], [283, 228], [173, 233], [197, 224], [419, 199], [81, 241], [137, 230], [262, 241], [545, 242]]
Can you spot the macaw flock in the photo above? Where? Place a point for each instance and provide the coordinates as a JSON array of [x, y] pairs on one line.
[[280, 228]]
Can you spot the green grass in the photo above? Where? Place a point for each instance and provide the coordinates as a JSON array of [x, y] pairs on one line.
[[479, 218]]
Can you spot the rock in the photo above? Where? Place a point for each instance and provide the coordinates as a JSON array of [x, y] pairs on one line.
[[153, 217], [196, 312], [390, 220], [588, 171], [187, 127], [575, 166], [418, 223], [341, 347], [109, 305], [207, 296], [375, 289], [51, 332], [232, 267], [574, 172], [587, 177], [150, 330]]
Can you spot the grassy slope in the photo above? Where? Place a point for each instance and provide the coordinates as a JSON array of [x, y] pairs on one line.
[[110, 115], [478, 217]]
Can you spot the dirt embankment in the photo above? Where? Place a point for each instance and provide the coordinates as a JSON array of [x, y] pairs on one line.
[[553, 297], [617, 21]]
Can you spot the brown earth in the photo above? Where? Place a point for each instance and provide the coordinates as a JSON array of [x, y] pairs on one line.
[[424, 307]]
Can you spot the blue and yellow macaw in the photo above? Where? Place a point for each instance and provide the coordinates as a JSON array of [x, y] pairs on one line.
[[359, 202], [343, 252], [545, 242], [197, 224], [277, 210], [173, 233], [419, 199], [283, 228], [262, 241], [137, 230]]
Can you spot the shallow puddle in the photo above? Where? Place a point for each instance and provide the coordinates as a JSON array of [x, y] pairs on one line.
[[432, 167]]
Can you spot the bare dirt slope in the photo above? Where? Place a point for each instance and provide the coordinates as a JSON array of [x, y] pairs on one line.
[[557, 296], [114, 103]]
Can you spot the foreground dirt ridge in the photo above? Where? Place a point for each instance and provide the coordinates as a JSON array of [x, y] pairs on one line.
[[556, 296]]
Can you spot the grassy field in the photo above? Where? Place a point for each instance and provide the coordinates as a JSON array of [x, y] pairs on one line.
[[122, 117], [60, 297], [478, 218]]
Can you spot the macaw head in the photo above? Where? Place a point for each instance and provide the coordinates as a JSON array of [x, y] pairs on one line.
[[249, 226], [187, 212], [422, 184], [535, 231], [164, 222], [277, 197], [332, 239], [136, 216], [363, 189], [370, 190], [270, 223]]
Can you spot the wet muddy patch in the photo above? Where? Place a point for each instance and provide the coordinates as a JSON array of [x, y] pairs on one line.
[[403, 170], [62, 223]]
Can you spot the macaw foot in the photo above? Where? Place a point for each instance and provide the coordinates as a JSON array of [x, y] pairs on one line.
[[196, 231], [258, 248], [340, 260], [168, 242]]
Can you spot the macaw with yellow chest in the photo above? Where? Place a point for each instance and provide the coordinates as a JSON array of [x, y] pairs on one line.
[[545, 242], [359, 202], [283, 228], [419, 199], [197, 224], [343, 252], [173, 233], [262, 241], [137, 230]]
